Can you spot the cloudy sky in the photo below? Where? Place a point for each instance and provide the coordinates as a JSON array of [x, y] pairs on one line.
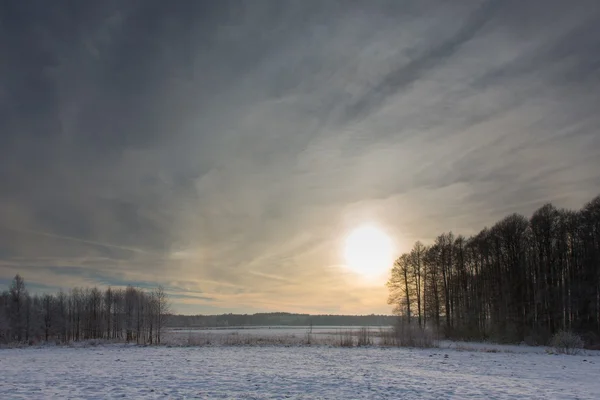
[[226, 149]]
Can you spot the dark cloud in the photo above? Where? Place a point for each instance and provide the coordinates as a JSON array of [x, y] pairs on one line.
[[225, 148], [419, 66]]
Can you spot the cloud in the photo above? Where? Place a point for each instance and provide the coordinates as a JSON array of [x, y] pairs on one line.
[[419, 66], [225, 149]]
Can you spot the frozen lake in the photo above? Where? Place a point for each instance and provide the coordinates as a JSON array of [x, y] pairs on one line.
[[283, 334], [276, 329]]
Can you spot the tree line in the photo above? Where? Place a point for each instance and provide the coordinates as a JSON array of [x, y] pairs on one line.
[[520, 280], [129, 314]]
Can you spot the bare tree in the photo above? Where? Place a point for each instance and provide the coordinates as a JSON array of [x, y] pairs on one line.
[[416, 263], [4, 317], [108, 314], [17, 307], [521, 279], [130, 305], [151, 318], [118, 311], [400, 286], [163, 310], [61, 316], [48, 305]]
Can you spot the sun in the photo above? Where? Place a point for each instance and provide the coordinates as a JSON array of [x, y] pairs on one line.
[[368, 251]]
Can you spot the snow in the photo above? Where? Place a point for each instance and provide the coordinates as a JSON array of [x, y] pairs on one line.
[[255, 372]]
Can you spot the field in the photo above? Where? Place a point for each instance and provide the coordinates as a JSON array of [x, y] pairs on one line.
[[297, 372]]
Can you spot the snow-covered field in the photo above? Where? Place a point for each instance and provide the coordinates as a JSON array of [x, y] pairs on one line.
[[254, 372]]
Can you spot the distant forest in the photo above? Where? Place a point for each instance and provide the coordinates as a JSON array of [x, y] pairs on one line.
[[520, 280], [130, 314], [277, 318]]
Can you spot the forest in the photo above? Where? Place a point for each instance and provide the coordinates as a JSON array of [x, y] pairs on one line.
[[129, 314], [523, 279]]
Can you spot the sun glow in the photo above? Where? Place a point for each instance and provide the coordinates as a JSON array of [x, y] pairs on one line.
[[368, 252]]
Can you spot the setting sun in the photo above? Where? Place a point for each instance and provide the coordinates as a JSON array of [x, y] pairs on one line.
[[368, 251]]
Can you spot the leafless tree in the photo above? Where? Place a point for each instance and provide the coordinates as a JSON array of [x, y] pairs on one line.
[[521, 279], [49, 315], [163, 310], [130, 314], [5, 334], [17, 307], [416, 262], [401, 287]]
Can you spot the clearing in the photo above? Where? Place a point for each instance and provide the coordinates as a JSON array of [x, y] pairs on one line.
[[255, 372]]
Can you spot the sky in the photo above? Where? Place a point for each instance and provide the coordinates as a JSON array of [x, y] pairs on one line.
[[226, 149]]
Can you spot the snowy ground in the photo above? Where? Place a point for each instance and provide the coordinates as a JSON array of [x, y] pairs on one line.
[[250, 372]]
